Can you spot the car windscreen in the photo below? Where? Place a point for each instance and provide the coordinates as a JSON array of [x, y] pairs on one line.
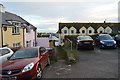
[[106, 37], [4, 52], [25, 53], [85, 38]]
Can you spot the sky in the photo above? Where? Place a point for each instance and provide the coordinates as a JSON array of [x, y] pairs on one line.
[[47, 14]]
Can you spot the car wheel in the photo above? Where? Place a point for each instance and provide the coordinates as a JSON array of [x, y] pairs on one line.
[[77, 47], [100, 46], [39, 73], [92, 48]]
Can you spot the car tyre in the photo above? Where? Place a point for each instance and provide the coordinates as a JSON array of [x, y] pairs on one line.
[[100, 46], [77, 47], [39, 73]]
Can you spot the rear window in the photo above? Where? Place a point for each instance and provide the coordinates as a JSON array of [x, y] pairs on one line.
[[85, 38], [106, 37]]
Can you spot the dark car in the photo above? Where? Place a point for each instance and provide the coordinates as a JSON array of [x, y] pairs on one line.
[[105, 41], [25, 64], [84, 42], [117, 39]]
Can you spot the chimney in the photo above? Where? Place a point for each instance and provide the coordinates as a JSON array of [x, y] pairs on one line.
[[2, 8], [105, 21]]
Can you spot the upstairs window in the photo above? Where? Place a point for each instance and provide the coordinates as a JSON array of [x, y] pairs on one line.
[[83, 31], [27, 29], [72, 31], [15, 29], [101, 31], [65, 31], [90, 31]]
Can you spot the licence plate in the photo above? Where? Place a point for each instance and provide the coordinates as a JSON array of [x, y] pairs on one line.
[[109, 45], [9, 78], [87, 42]]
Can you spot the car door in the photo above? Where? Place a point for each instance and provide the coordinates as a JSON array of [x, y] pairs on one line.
[[97, 41], [43, 56]]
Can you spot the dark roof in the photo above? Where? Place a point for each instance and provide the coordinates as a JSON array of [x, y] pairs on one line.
[[7, 16], [87, 25]]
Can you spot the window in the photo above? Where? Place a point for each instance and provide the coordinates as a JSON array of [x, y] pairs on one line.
[[101, 31], [4, 52], [72, 31], [27, 29], [107, 31], [83, 31], [33, 42], [65, 31], [28, 43], [90, 31], [16, 45], [15, 29]]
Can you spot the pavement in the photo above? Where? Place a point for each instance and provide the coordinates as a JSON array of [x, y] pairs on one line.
[[97, 63]]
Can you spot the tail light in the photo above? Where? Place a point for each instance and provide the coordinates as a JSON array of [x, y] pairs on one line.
[[93, 42], [79, 42]]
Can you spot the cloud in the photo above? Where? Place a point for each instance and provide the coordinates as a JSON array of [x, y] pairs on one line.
[[46, 15], [57, 0]]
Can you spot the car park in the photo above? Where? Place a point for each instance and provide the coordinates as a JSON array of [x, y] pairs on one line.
[[84, 42], [105, 41], [117, 39], [25, 64], [4, 53]]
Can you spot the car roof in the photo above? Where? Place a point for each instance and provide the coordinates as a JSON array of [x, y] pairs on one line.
[[4, 48], [31, 47], [83, 36], [103, 34]]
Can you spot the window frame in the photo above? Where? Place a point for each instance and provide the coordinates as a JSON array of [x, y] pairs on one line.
[[65, 31]]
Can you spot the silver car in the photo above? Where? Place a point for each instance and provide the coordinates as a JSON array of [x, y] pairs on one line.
[[4, 54]]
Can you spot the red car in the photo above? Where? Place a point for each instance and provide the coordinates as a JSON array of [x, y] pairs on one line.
[[25, 64]]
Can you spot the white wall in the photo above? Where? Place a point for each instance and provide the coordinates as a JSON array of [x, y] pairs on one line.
[[43, 41], [30, 37]]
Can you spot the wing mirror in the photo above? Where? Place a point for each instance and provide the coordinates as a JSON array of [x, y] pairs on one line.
[[8, 58]]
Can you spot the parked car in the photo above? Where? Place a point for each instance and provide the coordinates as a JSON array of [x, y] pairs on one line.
[[84, 42], [4, 53], [117, 39], [105, 41], [25, 64]]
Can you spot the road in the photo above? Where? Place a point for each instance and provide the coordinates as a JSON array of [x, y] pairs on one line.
[[97, 63]]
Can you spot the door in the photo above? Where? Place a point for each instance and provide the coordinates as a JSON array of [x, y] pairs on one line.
[[43, 56]]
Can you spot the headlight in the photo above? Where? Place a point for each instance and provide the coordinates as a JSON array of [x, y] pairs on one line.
[[114, 42], [102, 42], [28, 67]]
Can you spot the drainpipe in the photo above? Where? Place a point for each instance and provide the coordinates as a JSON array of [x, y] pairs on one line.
[[0, 30], [1, 36]]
